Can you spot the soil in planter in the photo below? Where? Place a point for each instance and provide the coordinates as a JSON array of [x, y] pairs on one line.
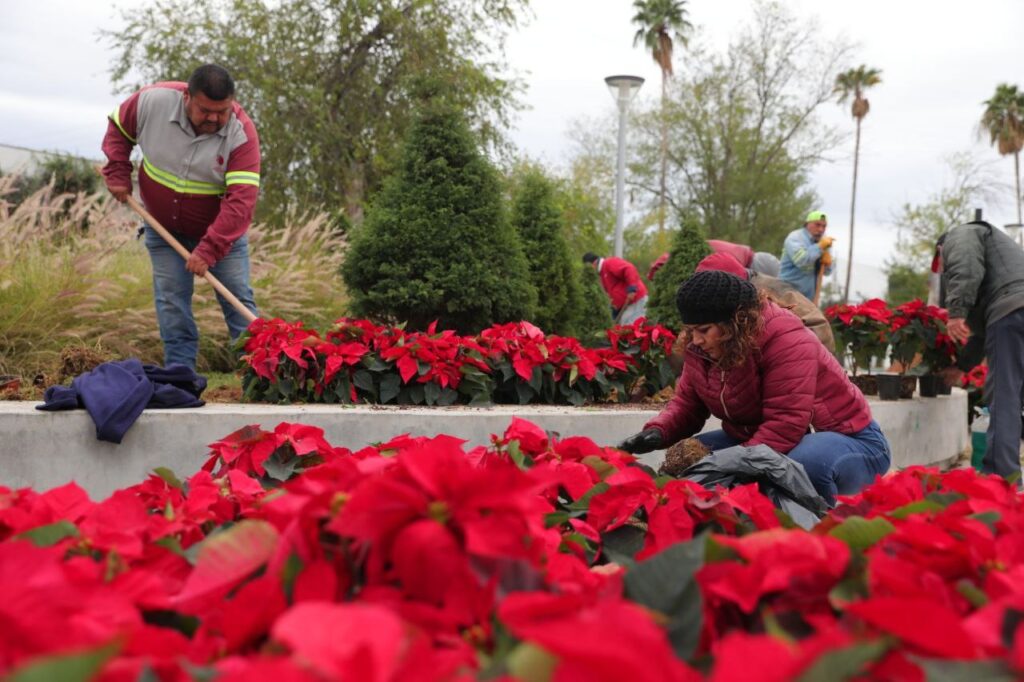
[[867, 383], [223, 394], [682, 456]]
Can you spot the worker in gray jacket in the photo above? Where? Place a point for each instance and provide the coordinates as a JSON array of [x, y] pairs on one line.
[[983, 289]]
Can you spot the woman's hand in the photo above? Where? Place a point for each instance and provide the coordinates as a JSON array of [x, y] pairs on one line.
[[645, 441]]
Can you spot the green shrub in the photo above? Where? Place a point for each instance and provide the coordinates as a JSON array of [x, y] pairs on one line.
[[689, 246], [595, 312], [436, 243], [539, 224]]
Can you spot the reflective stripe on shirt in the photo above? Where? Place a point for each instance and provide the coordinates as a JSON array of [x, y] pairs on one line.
[[242, 178], [181, 185]]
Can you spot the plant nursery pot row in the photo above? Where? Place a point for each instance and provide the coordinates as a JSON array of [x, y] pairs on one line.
[[900, 387]]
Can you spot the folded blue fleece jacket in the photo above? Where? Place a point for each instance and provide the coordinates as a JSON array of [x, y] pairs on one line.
[[116, 393]]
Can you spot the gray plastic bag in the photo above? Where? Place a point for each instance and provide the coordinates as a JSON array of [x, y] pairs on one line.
[[781, 479]]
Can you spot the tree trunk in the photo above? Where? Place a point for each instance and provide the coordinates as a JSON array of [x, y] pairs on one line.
[[1016, 175], [853, 206], [664, 154], [355, 190]]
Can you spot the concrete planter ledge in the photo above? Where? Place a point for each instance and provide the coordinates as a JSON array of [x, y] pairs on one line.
[[47, 449]]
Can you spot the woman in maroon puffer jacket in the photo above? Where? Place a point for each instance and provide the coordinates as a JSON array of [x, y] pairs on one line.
[[757, 368]]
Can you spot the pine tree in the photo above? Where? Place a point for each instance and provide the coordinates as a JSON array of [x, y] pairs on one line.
[[437, 243], [689, 246], [539, 224]]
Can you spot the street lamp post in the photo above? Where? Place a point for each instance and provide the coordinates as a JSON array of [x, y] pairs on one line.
[[623, 89], [1015, 232]]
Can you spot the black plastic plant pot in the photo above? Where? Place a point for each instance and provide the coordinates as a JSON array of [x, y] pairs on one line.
[[928, 385], [888, 386]]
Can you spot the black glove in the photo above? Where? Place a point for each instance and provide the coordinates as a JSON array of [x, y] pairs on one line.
[[645, 441]]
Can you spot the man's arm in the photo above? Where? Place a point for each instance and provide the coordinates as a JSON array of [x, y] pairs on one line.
[[122, 133], [802, 251], [236, 208], [963, 265]]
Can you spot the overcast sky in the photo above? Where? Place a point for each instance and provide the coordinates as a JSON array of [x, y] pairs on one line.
[[940, 60]]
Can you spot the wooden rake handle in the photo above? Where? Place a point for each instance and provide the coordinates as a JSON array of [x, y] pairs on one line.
[[817, 285], [184, 253]]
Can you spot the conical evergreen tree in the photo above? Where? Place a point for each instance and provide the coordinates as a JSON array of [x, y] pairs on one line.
[[437, 243], [539, 224], [596, 313], [689, 246]]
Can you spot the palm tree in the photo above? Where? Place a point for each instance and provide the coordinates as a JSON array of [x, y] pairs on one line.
[[658, 21], [1003, 120], [853, 83]]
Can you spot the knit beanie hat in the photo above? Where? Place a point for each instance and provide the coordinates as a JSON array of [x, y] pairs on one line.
[[713, 296]]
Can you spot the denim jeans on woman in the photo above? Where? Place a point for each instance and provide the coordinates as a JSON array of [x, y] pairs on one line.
[[836, 463], [172, 291]]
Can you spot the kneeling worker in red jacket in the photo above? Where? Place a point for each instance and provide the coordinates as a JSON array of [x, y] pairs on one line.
[[757, 368]]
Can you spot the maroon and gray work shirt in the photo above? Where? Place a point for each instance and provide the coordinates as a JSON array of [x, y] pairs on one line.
[[197, 186]]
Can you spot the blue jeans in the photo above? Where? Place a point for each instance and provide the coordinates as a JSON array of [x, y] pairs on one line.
[[837, 464], [172, 292], [1004, 348]]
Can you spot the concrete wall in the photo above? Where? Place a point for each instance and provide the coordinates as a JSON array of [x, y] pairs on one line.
[[48, 449]]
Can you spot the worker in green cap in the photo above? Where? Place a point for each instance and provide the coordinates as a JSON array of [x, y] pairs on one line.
[[806, 257]]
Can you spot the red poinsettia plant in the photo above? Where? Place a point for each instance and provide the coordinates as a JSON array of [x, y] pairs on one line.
[[530, 366], [861, 331], [940, 350], [920, 329], [974, 380], [359, 361], [648, 347], [533, 558], [280, 360]]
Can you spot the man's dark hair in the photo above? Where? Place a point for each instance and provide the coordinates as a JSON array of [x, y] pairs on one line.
[[589, 257], [213, 81]]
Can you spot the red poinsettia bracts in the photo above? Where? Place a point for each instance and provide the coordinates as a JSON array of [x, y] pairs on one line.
[[359, 361], [861, 331], [269, 340], [642, 335], [975, 378], [534, 558], [435, 357], [874, 309], [917, 328]]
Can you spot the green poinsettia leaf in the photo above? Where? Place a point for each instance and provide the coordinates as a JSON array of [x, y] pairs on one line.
[[50, 534], [77, 667]]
